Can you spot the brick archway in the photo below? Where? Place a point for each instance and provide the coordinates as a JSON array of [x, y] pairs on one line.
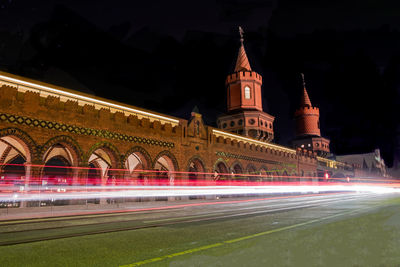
[[170, 156], [264, 173], [237, 167], [220, 167], [195, 164], [110, 149], [69, 143], [142, 153], [29, 145]]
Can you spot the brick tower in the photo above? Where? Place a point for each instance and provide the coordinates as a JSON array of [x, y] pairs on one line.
[[308, 133], [245, 115]]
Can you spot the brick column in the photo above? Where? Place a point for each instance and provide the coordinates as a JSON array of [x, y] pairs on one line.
[[32, 177], [80, 175]]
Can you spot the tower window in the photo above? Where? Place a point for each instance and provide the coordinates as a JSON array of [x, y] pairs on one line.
[[240, 122], [232, 123], [247, 94]]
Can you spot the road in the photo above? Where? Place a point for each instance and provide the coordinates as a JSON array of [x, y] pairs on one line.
[[257, 231]]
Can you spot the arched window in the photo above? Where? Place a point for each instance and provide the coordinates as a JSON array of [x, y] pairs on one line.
[[247, 94]]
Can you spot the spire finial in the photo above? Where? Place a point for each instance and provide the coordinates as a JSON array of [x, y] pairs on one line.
[[305, 100], [242, 62], [241, 34], [304, 81]]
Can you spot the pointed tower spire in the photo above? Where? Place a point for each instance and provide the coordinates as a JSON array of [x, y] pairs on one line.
[[242, 62], [305, 100]]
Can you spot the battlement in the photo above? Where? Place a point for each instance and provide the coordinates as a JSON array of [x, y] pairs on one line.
[[243, 75], [52, 108], [64, 95], [307, 111], [229, 137]]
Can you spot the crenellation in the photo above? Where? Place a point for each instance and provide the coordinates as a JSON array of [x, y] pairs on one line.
[[167, 127], [105, 115], [31, 99], [52, 102], [119, 118], [90, 111], [70, 106], [8, 95], [145, 123], [133, 120], [156, 125]]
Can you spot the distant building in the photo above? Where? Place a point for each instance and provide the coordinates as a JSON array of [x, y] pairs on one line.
[[366, 165]]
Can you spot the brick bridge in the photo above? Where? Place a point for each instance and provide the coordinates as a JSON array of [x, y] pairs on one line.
[[42, 125]]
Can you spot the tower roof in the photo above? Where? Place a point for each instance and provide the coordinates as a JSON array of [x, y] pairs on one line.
[[242, 62], [305, 100]]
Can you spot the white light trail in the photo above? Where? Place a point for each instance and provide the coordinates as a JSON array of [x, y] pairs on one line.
[[177, 191]]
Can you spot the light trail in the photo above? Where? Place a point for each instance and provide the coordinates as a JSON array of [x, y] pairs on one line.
[[184, 174], [72, 193]]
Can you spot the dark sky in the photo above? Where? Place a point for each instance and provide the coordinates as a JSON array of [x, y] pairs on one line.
[[172, 55]]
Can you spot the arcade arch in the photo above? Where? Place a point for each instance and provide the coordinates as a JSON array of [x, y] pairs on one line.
[[220, 169], [165, 165], [59, 154], [196, 168], [264, 174], [136, 162], [251, 169], [102, 159], [17, 150]]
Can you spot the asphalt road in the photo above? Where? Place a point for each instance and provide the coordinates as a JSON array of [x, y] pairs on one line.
[[196, 233]]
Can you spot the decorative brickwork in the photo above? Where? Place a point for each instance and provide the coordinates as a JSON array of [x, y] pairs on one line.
[[72, 144], [81, 130], [248, 158], [33, 149]]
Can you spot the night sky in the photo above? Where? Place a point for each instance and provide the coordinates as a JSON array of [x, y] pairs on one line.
[[169, 56]]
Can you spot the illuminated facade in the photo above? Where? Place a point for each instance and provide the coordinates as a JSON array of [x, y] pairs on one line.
[[308, 132], [43, 126], [245, 114]]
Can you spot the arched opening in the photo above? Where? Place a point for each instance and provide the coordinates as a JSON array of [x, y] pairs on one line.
[[14, 153], [196, 169], [252, 171], [264, 175], [56, 172], [94, 174], [285, 177], [237, 170], [58, 160], [277, 176], [219, 170], [165, 168], [100, 162], [136, 165], [13, 172]]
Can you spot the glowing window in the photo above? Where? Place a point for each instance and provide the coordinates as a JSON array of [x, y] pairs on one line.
[[247, 94]]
